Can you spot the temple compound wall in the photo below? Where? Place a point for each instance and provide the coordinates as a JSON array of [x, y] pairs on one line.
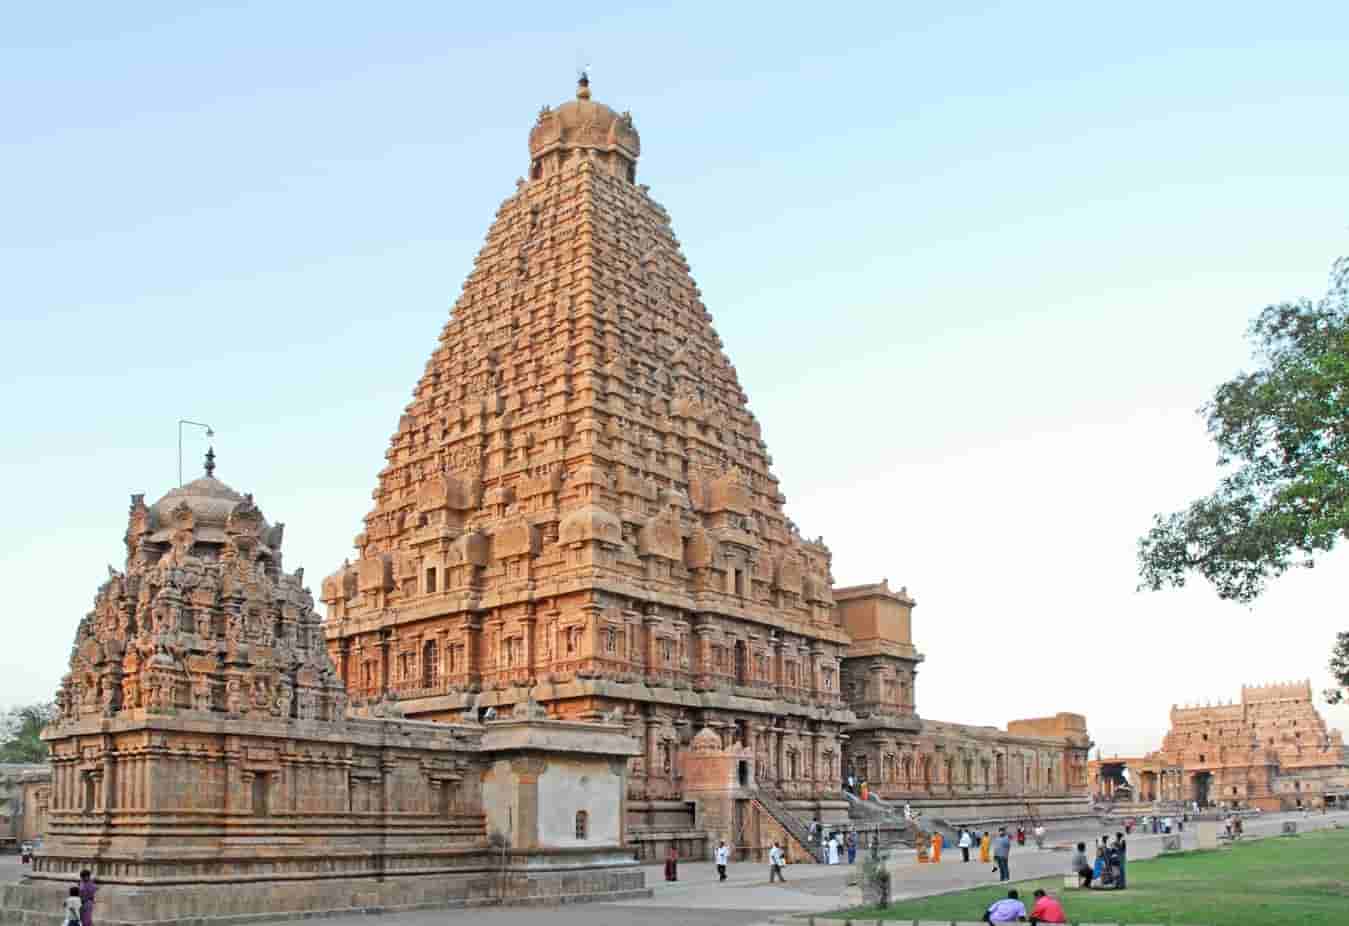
[[204, 739], [24, 794], [1271, 750], [577, 506]]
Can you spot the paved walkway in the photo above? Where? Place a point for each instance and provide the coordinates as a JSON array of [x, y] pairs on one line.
[[747, 899]]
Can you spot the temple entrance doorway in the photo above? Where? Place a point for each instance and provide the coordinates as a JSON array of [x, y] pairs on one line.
[[1201, 782]]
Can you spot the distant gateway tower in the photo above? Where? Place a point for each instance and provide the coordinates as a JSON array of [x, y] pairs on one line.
[[578, 505]]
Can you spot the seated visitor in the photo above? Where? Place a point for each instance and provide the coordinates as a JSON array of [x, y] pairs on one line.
[[1008, 910], [1080, 866], [1047, 909]]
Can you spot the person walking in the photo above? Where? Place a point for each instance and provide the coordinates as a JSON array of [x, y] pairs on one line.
[[964, 842], [984, 843], [72, 907], [671, 865], [936, 847], [1002, 850], [775, 863], [851, 841], [87, 891], [723, 856], [833, 849]]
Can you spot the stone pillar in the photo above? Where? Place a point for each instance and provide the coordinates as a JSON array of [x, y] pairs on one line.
[[526, 771], [653, 768], [527, 628], [384, 642]]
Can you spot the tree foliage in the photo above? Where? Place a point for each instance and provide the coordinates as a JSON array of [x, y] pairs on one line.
[[1283, 444], [20, 730]]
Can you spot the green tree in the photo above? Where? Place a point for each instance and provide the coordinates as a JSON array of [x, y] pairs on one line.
[[1283, 446], [20, 728]]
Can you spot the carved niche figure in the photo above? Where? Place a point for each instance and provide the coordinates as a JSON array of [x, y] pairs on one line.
[[340, 704], [131, 691], [234, 629], [307, 704], [284, 697], [158, 690], [110, 692], [201, 692], [261, 698], [234, 695]]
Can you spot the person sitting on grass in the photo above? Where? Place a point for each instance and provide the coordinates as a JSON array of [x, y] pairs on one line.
[[1080, 866], [1008, 910], [1046, 910]]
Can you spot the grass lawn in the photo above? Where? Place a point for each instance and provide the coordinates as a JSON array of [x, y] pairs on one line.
[[1298, 881]]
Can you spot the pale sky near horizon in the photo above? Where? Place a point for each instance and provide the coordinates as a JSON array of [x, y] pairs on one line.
[[977, 266]]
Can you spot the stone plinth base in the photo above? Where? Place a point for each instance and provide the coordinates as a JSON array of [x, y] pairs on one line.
[[527, 879]]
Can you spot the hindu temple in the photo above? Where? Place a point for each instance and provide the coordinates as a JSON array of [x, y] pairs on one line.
[[204, 738], [578, 508], [1271, 750]]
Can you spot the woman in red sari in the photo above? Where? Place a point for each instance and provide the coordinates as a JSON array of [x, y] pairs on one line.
[[672, 864]]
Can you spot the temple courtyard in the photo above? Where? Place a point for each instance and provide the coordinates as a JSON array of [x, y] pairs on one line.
[[1268, 877]]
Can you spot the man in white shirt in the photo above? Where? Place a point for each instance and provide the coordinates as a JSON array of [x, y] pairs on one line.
[[775, 863], [964, 844], [723, 856]]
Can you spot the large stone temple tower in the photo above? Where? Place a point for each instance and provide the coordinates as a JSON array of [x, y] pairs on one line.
[[578, 507]]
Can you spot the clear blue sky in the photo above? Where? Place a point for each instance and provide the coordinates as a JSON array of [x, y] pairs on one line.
[[977, 266]]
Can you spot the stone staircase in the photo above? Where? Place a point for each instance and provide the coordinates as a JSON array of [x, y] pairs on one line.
[[791, 823], [875, 812]]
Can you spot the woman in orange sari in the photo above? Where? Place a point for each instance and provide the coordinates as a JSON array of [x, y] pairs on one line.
[[936, 847], [983, 849]]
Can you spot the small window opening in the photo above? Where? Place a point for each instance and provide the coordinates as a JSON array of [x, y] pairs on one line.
[[431, 579], [260, 808], [742, 773], [582, 825], [536, 169], [739, 583]]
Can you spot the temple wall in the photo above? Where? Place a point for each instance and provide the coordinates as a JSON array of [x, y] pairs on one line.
[[568, 787]]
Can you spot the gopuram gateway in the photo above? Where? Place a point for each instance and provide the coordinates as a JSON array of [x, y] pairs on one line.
[[1271, 750], [204, 739], [578, 508]]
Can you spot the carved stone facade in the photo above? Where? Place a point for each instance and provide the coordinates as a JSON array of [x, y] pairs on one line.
[[578, 506], [1271, 750], [204, 738]]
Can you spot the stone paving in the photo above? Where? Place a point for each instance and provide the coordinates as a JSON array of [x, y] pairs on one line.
[[747, 898]]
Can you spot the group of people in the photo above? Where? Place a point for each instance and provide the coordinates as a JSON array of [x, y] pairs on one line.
[[777, 860], [1107, 872], [79, 903], [836, 845], [1010, 909]]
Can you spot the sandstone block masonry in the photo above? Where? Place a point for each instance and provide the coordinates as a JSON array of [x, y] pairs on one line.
[[579, 506], [205, 763]]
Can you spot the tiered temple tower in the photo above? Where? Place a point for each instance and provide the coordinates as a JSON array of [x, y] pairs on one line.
[[1272, 750], [203, 739], [578, 506]]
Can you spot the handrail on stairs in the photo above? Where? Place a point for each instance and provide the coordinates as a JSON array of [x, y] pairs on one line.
[[791, 823]]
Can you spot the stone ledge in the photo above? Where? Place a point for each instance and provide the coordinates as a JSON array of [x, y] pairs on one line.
[[34, 904]]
